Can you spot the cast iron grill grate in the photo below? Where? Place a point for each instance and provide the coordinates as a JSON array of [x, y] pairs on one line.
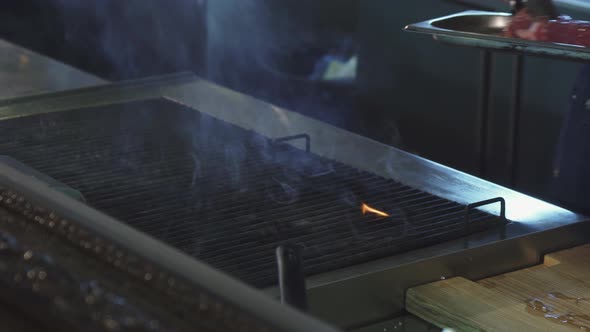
[[226, 195]]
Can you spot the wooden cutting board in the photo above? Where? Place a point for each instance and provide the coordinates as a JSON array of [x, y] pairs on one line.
[[553, 296]]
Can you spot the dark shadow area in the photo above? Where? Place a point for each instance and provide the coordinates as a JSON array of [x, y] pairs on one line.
[[115, 40]]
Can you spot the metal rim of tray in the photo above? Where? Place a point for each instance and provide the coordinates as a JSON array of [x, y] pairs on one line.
[[564, 51]]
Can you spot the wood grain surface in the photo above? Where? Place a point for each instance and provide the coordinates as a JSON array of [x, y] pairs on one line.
[[554, 296]]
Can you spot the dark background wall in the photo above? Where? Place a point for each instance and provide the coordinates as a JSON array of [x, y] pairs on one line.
[[112, 39], [411, 91]]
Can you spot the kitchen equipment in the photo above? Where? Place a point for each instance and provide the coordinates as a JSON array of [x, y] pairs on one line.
[[231, 196], [116, 144]]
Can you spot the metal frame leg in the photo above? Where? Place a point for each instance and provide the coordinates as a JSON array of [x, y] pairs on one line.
[[484, 110], [515, 117]]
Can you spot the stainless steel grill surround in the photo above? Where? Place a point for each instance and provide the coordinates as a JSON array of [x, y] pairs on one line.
[[375, 290]]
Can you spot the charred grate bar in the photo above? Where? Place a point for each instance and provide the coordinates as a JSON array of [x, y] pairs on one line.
[[227, 195]]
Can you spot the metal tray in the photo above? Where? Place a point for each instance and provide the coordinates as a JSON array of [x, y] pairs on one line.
[[484, 30]]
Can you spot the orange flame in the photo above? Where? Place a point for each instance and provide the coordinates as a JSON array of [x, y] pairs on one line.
[[367, 209]]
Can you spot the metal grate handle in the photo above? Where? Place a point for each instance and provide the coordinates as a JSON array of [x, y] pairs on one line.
[[286, 139], [291, 276], [472, 206]]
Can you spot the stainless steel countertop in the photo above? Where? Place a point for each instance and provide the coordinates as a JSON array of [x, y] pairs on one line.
[[24, 72], [374, 291]]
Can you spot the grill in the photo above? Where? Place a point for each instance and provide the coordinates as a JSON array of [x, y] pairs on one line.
[[229, 196]]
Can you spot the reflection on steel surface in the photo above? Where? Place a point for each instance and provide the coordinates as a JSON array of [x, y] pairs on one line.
[[25, 73]]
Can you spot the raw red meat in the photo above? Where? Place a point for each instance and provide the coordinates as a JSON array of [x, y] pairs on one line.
[[564, 30]]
